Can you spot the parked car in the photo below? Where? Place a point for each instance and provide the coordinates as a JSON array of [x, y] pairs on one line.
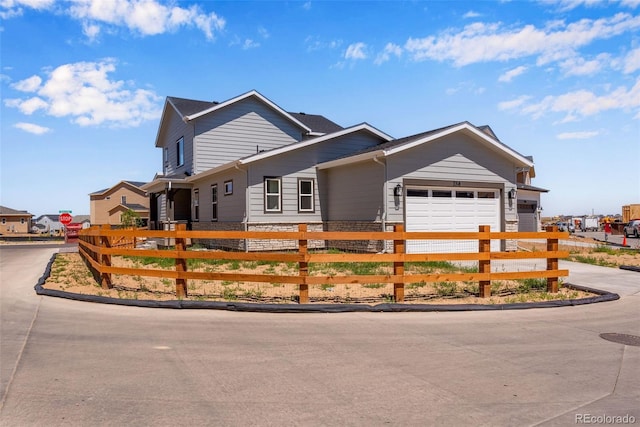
[[566, 226], [632, 229]]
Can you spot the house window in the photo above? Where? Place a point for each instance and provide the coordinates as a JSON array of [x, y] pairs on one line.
[[180, 151], [4, 221], [228, 187], [273, 194], [21, 220], [165, 155], [123, 200], [305, 195], [196, 204], [214, 202]]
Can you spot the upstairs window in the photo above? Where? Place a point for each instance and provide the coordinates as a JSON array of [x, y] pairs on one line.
[[305, 195], [123, 200], [180, 151], [273, 194]]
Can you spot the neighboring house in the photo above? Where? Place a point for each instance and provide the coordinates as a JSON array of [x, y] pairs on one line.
[[85, 220], [529, 207], [49, 224], [247, 164], [107, 205], [14, 221]]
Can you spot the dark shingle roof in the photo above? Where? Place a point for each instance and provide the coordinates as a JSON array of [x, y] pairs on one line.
[[8, 211], [187, 107], [317, 123]]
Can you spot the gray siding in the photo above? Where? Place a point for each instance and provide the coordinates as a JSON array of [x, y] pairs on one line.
[[173, 129], [238, 131], [297, 164], [355, 192], [231, 208]]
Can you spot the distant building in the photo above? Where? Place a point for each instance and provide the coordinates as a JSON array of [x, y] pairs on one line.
[[48, 223], [14, 221], [108, 205]]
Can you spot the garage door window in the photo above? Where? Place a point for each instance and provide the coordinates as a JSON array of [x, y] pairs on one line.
[[486, 194], [464, 194], [441, 193]]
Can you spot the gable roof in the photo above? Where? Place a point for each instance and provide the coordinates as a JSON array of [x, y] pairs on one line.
[[186, 107], [250, 94], [137, 184], [13, 212], [401, 144], [317, 123], [363, 127]]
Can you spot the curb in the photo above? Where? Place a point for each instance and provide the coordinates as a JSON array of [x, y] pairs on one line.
[[630, 268], [602, 296]]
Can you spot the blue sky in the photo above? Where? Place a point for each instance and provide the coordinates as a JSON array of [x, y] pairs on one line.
[[83, 83]]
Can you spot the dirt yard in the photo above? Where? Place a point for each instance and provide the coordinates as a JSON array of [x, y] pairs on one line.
[[70, 274]]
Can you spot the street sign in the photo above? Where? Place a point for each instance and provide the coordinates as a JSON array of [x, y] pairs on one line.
[[66, 218]]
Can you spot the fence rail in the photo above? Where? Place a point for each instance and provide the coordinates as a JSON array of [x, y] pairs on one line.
[[97, 245]]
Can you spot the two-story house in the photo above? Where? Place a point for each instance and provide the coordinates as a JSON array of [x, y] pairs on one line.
[[14, 221], [248, 164], [108, 205]]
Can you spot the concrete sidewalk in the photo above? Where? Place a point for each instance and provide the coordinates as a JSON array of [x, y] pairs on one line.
[[621, 282]]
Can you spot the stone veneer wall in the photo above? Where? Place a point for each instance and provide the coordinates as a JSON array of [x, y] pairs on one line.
[[373, 246], [510, 245], [226, 244]]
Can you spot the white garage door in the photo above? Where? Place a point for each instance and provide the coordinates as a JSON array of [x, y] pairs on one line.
[[451, 209]]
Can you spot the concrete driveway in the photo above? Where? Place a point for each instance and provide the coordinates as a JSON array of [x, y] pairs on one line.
[[75, 364]]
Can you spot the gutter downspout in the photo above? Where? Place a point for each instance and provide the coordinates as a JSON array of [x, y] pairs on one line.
[[384, 194]]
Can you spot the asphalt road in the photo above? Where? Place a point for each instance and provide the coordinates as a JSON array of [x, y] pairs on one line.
[[83, 364]]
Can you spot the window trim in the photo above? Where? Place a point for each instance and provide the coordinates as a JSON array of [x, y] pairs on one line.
[[277, 179], [214, 202], [311, 195], [196, 204], [180, 152], [228, 187]]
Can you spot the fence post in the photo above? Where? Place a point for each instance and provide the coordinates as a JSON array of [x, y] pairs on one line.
[[181, 263], [484, 265], [552, 263], [398, 266], [105, 259], [303, 266]]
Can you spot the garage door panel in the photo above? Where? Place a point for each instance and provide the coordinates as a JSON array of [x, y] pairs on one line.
[[465, 210]]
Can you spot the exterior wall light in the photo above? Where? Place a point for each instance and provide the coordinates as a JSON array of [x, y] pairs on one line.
[[397, 190], [513, 194]]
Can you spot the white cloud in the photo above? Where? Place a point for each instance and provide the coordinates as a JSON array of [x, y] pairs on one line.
[[471, 14], [91, 31], [146, 17], [385, 55], [579, 104], [511, 74], [513, 104], [356, 51], [263, 32], [28, 85], [484, 42], [250, 44], [577, 135], [84, 92], [632, 61], [314, 44], [579, 66], [32, 128]]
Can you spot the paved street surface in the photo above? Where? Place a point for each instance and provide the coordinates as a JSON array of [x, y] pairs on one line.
[[83, 364]]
